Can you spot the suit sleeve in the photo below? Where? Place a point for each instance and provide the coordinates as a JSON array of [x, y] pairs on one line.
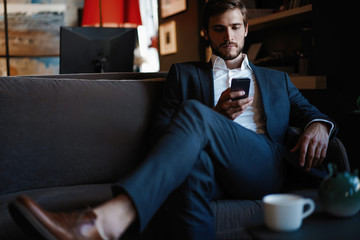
[[302, 112], [169, 104]]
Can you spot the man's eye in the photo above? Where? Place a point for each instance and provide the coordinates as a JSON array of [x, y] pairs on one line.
[[218, 29], [236, 27]]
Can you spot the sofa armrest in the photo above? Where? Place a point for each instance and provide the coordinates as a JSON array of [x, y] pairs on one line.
[[337, 154]]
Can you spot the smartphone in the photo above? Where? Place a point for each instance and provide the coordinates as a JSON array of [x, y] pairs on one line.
[[238, 84]]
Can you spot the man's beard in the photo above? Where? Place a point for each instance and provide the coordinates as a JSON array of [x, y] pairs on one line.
[[226, 56]]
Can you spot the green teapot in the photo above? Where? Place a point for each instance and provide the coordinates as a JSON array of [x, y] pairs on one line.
[[339, 193]]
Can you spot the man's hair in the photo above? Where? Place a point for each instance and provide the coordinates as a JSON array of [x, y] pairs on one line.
[[215, 8]]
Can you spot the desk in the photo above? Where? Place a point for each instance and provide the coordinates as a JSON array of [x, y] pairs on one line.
[[318, 226]]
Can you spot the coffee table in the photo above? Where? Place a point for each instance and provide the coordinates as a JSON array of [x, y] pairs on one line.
[[318, 226]]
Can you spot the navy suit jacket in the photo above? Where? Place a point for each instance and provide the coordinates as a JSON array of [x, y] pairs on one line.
[[283, 104]]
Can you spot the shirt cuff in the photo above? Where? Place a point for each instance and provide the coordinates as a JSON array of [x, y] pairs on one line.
[[322, 120]]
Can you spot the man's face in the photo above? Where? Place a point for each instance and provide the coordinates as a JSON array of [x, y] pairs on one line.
[[227, 34]]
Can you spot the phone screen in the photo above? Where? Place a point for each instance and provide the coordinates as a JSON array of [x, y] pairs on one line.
[[238, 84]]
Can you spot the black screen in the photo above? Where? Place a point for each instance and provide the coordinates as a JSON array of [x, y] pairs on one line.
[[94, 50]]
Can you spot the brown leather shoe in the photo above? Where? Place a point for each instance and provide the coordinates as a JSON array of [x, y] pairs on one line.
[[32, 218]]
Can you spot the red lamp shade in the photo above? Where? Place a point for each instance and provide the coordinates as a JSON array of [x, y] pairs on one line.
[[114, 13]]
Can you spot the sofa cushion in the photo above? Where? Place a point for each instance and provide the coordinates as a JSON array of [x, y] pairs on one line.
[[233, 215], [58, 132]]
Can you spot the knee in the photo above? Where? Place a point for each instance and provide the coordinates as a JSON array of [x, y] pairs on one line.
[[194, 108], [191, 117]]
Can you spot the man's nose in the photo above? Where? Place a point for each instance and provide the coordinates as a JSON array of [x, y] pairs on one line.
[[228, 34]]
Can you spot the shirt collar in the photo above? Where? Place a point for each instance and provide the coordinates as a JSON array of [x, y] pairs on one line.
[[218, 62]]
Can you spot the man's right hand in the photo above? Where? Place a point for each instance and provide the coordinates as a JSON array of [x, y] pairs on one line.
[[232, 109]]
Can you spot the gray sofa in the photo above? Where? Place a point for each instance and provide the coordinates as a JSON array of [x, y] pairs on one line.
[[65, 138]]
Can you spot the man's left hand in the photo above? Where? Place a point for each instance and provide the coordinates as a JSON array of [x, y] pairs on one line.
[[312, 145]]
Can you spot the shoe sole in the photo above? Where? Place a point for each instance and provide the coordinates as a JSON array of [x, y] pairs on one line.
[[28, 222]]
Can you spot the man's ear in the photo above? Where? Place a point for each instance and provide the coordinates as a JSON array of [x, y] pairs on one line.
[[246, 29], [205, 34]]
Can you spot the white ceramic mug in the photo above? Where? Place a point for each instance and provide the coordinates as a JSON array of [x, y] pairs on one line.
[[285, 212]]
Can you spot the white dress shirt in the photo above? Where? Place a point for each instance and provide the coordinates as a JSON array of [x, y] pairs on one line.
[[252, 118]]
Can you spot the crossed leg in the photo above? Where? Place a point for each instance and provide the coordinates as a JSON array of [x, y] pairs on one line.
[[247, 165]]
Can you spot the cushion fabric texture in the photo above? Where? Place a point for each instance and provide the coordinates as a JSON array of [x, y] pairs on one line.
[[71, 132]]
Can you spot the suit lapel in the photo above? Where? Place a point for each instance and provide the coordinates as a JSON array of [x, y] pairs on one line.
[[263, 83], [206, 81]]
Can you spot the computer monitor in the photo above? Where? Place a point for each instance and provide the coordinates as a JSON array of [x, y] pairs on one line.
[[96, 50]]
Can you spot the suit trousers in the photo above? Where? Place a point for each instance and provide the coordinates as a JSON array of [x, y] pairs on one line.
[[200, 153]]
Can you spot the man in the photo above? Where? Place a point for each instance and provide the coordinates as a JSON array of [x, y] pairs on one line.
[[208, 144]]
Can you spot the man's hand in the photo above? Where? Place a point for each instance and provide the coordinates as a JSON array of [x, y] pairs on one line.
[[232, 109], [313, 144]]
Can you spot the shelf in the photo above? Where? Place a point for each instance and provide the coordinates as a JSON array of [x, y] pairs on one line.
[[31, 56], [308, 82], [281, 18]]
